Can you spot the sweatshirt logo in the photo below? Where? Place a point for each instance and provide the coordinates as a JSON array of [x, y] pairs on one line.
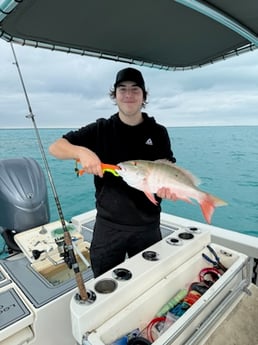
[[149, 142]]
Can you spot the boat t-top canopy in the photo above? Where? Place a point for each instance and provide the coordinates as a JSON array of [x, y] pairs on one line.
[[166, 34]]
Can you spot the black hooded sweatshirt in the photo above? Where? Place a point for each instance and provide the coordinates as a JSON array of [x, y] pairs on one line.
[[114, 142]]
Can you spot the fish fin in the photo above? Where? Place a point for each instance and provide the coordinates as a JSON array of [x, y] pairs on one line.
[[186, 200], [147, 191], [151, 197], [183, 198], [194, 179], [164, 161], [208, 204]]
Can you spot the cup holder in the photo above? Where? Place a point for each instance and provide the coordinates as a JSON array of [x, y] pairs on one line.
[[174, 241], [150, 255], [194, 229], [186, 236], [122, 274], [106, 286]]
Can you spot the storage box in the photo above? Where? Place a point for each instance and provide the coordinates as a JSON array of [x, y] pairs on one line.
[[117, 288], [217, 298]]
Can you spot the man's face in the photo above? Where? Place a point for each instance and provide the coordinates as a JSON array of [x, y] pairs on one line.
[[129, 98]]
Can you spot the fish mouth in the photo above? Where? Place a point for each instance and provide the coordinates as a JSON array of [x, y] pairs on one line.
[[121, 167]]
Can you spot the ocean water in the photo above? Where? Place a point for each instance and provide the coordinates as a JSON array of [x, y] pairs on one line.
[[224, 158]]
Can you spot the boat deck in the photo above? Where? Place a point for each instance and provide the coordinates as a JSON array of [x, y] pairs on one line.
[[240, 326]]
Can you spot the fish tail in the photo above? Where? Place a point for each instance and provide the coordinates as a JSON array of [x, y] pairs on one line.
[[208, 204]]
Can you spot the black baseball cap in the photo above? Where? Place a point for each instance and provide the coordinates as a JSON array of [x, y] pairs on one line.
[[130, 74]]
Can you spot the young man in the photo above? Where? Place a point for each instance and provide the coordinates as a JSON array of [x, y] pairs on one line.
[[127, 222]]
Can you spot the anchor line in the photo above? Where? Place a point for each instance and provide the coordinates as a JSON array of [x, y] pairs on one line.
[[69, 255]]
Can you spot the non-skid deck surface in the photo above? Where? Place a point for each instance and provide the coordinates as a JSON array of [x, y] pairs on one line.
[[241, 326]]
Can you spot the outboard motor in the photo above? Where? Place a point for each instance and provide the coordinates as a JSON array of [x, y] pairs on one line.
[[23, 198]]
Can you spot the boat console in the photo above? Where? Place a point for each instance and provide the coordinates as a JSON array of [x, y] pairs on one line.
[[124, 300]]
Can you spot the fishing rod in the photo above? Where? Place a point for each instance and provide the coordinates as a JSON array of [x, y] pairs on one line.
[[69, 256]]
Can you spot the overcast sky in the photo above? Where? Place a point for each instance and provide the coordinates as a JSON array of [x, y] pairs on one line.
[[70, 91]]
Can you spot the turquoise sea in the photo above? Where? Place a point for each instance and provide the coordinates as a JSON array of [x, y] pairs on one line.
[[224, 158]]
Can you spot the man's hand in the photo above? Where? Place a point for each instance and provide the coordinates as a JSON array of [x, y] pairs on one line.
[[166, 193], [90, 162]]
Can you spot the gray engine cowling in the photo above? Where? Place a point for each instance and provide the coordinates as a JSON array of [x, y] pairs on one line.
[[23, 197]]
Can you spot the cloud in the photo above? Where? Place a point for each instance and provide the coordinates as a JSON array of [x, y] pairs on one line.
[[70, 91]]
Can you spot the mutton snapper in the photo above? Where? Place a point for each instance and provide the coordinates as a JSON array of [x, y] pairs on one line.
[[150, 176]]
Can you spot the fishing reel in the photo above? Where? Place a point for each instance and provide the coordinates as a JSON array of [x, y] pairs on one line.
[[64, 252]]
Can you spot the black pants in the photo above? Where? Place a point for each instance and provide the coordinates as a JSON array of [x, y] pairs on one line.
[[111, 242]]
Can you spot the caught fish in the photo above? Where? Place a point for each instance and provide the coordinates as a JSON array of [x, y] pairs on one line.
[[150, 176]]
